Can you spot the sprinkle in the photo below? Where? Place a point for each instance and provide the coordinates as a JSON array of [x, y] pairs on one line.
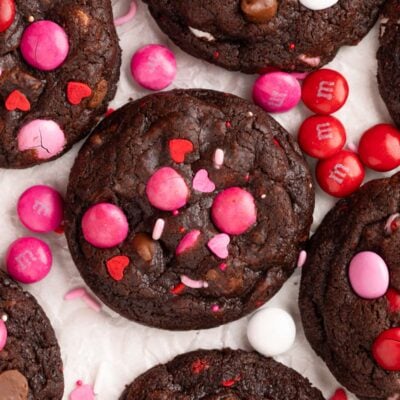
[[182, 229], [215, 308], [219, 156], [247, 177], [158, 229], [216, 54], [75, 294], [263, 196], [228, 124], [250, 114], [223, 267], [302, 259], [4, 317], [127, 17], [92, 302], [178, 289], [292, 46], [31, 18], [109, 112], [192, 283], [199, 366], [81, 293], [79, 383], [392, 224], [231, 382], [175, 213]]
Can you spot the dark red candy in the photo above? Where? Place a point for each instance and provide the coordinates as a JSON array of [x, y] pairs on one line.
[[325, 91], [379, 148], [116, 267], [386, 349], [179, 148], [341, 174], [322, 136], [393, 298], [340, 394], [7, 14]]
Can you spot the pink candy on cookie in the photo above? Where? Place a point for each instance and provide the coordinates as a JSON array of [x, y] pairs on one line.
[[3, 334], [44, 45], [29, 260], [188, 241], [167, 190], [369, 275], [40, 209], [105, 225], [44, 137], [277, 92], [234, 211], [154, 67]]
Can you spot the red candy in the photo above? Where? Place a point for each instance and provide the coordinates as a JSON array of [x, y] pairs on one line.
[[340, 394], [379, 148], [116, 267], [322, 136], [393, 298], [7, 14], [341, 174], [77, 91], [386, 349], [325, 91], [16, 100], [178, 149]]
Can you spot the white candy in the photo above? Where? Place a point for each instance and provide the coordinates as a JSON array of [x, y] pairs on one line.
[[316, 5], [271, 331]]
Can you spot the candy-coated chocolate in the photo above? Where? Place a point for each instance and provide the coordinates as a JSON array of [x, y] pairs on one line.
[[317, 5], [41, 209], [188, 241], [271, 331], [105, 225], [13, 385], [341, 174], [393, 298], [234, 211], [44, 45], [322, 136], [29, 260], [167, 190], [44, 137], [219, 245], [259, 11], [386, 349], [202, 182], [3, 334], [369, 275], [379, 148], [154, 67], [325, 91], [277, 92], [7, 14]]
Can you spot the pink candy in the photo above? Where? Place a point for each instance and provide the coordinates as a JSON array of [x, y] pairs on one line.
[[202, 182], [44, 45], [234, 211], [40, 209], [369, 275], [188, 241], [43, 136], [167, 190], [105, 225], [277, 92], [154, 67], [82, 392], [3, 335], [219, 245], [28, 260]]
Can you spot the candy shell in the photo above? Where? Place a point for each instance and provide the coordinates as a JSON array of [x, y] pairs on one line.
[[105, 225], [271, 331], [28, 260], [7, 14], [369, 275], [386, 349], [3, 334]]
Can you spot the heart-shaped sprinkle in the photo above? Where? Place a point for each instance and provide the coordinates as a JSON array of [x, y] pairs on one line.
[[199, 366], [219, 245], [393, 298], [340, 394], [116, 267], [77, 91], [202, 183], [16, 100], [188, 241], [178, 149]]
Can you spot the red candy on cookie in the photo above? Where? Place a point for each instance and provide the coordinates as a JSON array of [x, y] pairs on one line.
[[393, 298], [379, 148], [16, 100], [386, 349], [341, 174], [325, 91], [77, 91], [7, 14], [322, 136]]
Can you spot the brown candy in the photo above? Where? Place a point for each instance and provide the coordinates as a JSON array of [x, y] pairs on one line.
[[144, 245], [13, 386], [259, 11]]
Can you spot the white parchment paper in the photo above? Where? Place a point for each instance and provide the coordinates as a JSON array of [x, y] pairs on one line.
[[108, 351]]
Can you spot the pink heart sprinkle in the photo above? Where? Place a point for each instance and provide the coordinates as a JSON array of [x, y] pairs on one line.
[[219, 245], [202, 183]]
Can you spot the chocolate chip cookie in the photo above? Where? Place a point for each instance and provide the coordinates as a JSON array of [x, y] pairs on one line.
[[30, 361], [221, 375], [251, 35], [350, 291], [188, 209], [389, 59], [59, 63]]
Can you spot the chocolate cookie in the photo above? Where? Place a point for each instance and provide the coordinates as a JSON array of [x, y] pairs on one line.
[[350, 317], [221, 375], [30, 362], [59, 63], [389, 59], [188, 209], [250, 35]]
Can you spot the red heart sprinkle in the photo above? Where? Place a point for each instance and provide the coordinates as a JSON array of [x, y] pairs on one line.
[[116, 267], [178, 149], [199, 366], [178, 289], [393, 297], [340, 394], [231, 382], [17, 100], [77, 91]]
